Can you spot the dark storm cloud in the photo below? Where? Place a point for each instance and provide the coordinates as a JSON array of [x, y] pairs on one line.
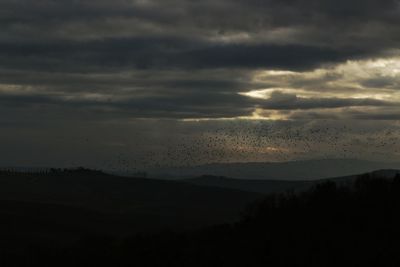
[[153, 58], [294, 57], [163, 53], [184, 34], [194, 105]]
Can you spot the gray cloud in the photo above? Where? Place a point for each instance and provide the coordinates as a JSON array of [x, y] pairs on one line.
[[83, 35], [84, 66], [282, 101]]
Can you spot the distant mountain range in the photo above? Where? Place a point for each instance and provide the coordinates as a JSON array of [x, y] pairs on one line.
[[277, 186], [258, 186], [294, 170]]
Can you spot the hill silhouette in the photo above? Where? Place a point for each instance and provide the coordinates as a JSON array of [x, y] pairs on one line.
[[349, 221], [78, 201], [293, 170]]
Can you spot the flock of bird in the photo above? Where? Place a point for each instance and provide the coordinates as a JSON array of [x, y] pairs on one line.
[[262, 141]]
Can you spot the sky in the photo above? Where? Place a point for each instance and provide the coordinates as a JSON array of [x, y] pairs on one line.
[[138, 83]]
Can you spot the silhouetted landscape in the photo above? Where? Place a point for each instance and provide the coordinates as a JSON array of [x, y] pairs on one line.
[[71, 202], [82, 217]]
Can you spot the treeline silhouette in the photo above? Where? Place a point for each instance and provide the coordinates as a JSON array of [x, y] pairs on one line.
[[46, 171], [59, 171], [330, 225]]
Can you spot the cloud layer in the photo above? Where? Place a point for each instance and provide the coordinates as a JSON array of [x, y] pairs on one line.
[[98, 62]]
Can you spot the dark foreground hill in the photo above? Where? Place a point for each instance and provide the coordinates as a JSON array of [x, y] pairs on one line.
[[329, 225], [69, 204]]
